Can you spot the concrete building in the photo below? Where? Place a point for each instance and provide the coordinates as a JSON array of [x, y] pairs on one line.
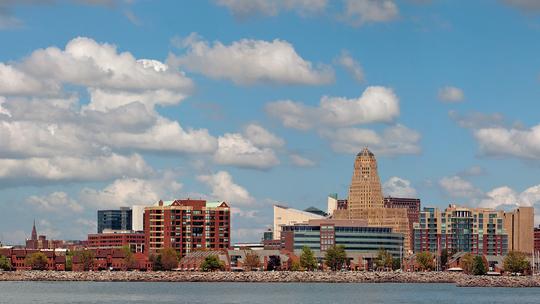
[[460, 229], [519, 225], [366, 200], [187, 225], [412, 205], [113, 239], [284, 216], [137, 218], [119, 219], [356, 235]]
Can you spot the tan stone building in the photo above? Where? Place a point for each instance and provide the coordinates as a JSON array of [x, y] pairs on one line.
[[519, 224], [366, 200], [284, 216]]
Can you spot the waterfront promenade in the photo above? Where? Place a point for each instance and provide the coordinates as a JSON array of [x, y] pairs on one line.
[[276, 277]]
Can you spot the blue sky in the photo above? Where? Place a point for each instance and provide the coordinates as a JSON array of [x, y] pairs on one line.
[[257, 102]]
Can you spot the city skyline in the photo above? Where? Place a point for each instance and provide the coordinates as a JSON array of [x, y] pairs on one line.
[[155, 104]]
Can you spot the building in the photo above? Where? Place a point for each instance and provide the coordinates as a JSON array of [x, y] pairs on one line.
[[520, 227], [366, 200], [114, 219], [112, 259], [39, 242], [537, 240], [137, 218], [110, 239], [412, 205], [187, 225], [480, 231], [192, 261], [284, 216], [355, 235], [56, 259]]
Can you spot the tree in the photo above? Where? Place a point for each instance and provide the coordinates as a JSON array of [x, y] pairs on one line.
[[444, 258], [467, 263], [129, 258], [274, 263], [169, 258], [425, 260], [396, 264], [479, 268], [156, 262], [307, 259], [251, 260], [295, 266], [212, 263], [5, 263], [335, 257], [383, 260], [37, 260], [86, 258], [69, 261], [516, 262]]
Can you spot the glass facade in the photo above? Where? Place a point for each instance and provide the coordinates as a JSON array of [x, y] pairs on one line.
[[114, 219]]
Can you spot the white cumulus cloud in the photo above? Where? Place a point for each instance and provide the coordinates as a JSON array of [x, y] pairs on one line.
[[399, 187], [224, 188]]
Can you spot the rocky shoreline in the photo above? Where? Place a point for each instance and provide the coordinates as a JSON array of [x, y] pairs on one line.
[[461, 280]]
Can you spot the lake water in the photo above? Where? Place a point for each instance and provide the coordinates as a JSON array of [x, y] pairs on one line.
[[91, 292]]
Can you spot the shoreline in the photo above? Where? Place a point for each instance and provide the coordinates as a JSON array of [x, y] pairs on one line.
[[460, 280]]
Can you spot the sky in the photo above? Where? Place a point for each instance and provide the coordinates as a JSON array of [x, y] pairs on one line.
[[110, 103]]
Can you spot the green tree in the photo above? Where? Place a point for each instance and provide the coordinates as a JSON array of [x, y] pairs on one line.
[[335, 257], [156, 262], [37, 260], [467, 263], [444, 258], [274, 263], [307, 259], [479, 268], [251, 260], [425, 260], [86, 258], [383, 260], [212, 263], [515, 262], [69, 261], [169, 258], [396, 264], [5, 263], [129, 258]]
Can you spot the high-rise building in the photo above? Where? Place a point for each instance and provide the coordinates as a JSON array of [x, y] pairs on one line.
[[461, 229], [366, 200], [118, 220], [520, 227], [187, 225], [537, 240], [290, 216], [412, 205], [137, 218]]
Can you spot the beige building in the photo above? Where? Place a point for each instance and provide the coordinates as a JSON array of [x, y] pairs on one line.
[[366, 200], [285, 216], [519, 224]]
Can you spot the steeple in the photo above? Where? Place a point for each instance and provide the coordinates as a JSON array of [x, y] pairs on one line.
[[34, 232]]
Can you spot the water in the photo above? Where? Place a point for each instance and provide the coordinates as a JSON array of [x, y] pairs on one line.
[[252, 293]]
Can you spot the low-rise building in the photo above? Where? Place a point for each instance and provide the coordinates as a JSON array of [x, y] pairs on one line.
[[117, 239]]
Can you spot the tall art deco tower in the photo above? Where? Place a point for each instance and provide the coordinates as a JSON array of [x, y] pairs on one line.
[[365, 190]]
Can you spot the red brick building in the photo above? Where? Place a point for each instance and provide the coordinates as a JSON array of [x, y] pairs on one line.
[[56, 260], [113, 258], [413, 210], [135, 241], [537, 239], [186, 225]]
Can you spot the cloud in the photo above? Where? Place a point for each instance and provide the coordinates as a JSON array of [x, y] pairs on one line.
[[248, 62], [399, 187], [500, 141], [57, 202], [472, 171], [352, 66], [359, 12], [261, 137], [457, 187], [224, 188], [301, 161], [132, 191], [450, 94], [376, 104], [394, 140], [236, 150], [477, 120], [247, 8]]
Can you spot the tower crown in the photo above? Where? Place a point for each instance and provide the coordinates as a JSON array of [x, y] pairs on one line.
[[366, 153]]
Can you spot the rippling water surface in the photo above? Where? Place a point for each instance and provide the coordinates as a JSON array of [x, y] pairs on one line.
[[91, 292]]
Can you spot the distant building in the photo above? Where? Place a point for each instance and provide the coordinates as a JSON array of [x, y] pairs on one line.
[[137, 218], [187, 225], [110, 239], [412, 205], [355, 235], [38, 242], [119, 219], [366, 200], [461, 229], [537, 240], [289, 216], [248, 246], [519, 225]]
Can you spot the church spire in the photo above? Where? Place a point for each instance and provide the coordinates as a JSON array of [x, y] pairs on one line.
[[34, 232]]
